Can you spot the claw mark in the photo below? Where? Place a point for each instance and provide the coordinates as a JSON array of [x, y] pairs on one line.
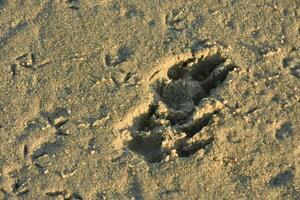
[[25, 151], [64, 194], [13, 69]]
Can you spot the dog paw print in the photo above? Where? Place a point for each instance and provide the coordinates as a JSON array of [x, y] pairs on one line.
[[178, 120], [123, 54], [175, 20]]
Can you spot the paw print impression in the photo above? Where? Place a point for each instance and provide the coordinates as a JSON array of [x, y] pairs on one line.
[[176, 123]]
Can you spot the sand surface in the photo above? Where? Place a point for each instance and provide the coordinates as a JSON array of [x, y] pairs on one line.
[[158, 99]]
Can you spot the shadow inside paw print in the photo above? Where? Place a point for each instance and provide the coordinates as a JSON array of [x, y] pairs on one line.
[[282, 179], [72, 4], [292, 62], [296, 71], [2, 3]]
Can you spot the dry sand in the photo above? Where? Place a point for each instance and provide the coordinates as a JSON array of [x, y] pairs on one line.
[[158, 99]]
